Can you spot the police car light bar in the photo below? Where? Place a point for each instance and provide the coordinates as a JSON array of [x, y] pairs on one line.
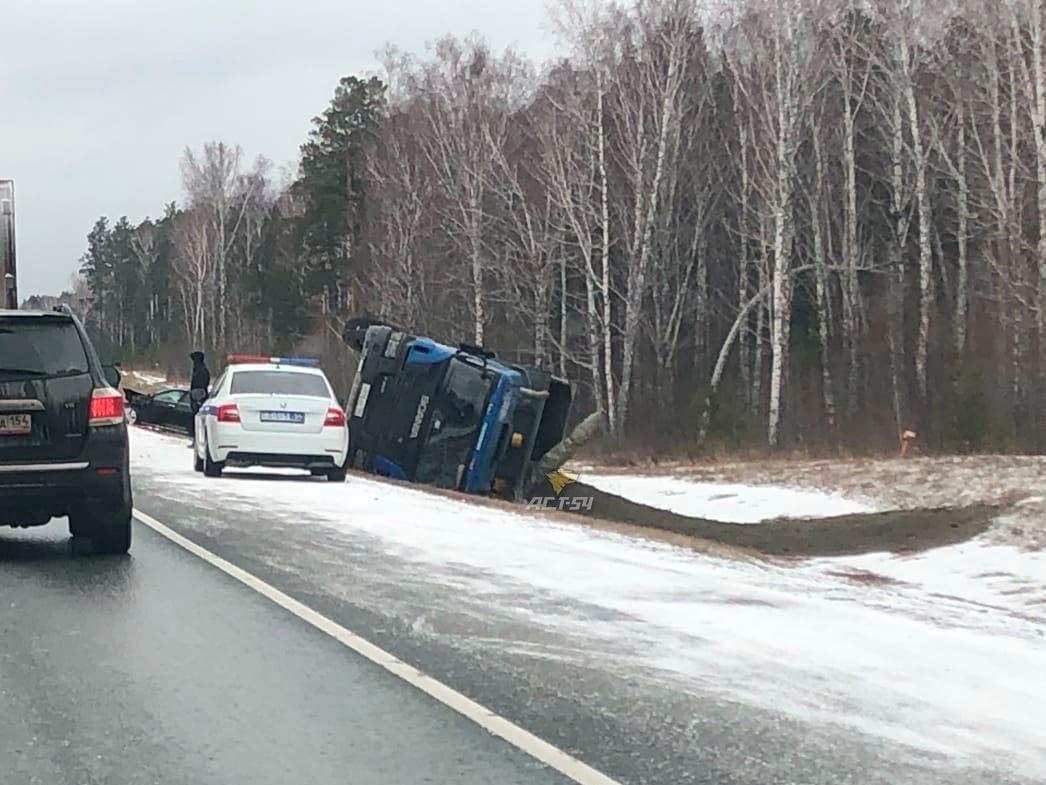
[[308, 362]]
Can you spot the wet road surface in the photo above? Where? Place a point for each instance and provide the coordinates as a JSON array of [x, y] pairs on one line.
[[158, 668]]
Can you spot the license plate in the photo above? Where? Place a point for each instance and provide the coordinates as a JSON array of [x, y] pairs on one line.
[[292, 417], [15, 424]]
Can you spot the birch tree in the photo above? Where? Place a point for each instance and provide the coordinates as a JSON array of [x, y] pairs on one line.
[[777, 92], [468, 94], [213, 181], [648, 113], [850, 45]]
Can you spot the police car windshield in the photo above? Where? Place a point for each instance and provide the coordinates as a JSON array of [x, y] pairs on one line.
[[40, 347], [279, 383]]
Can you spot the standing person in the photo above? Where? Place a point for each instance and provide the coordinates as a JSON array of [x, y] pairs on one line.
[[199, 383]]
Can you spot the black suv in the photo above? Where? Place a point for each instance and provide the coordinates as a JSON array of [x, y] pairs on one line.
[[63, 434]]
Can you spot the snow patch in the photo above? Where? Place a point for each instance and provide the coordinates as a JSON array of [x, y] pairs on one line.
[[730, 503]]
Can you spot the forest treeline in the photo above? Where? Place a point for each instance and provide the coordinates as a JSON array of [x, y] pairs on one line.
[[801, 223]]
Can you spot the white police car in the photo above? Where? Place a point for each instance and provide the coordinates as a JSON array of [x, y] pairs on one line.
[[272, 411]]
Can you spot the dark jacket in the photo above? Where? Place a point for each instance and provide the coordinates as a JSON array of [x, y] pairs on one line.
[[201, 377]]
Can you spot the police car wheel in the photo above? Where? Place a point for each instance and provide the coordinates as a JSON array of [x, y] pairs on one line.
[[211, 468]]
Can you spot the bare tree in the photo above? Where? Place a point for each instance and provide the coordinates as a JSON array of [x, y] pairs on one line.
[[574, 174], [852, 64], [402, 192], [194, 270], [215, 185], [649, 110], [145, 245], [467, 95], [776, 91]]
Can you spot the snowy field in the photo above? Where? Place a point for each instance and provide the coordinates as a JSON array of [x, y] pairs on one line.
[[943, 652], [728, 502]]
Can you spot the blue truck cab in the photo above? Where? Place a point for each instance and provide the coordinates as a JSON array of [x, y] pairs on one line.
[[456, 418]]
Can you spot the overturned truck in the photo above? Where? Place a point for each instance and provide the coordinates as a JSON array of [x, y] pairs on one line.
[[456, 418]]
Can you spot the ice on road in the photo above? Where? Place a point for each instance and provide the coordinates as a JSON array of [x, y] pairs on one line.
[[942, 652]]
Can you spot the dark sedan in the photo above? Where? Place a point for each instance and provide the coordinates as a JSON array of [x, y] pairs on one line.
[[168, 408]]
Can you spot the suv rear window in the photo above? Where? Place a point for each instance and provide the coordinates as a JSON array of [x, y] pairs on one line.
[[279, 383], [40, 346]]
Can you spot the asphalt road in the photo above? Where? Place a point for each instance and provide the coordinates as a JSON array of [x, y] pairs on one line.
[[159, 668]]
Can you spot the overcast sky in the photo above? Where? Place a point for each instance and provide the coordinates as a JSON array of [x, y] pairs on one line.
[[99, 97]]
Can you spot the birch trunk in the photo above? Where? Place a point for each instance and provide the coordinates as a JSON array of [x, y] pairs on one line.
[[542, 299], [895, 293], [743, 315], [743, 264], [592, 317], [923, 203], [563, 316], [1037, 86], [478, 313], [851, 292], [820, 274], [785, 78], [760, 339], [605, 293], [638, 270], [963, 209]]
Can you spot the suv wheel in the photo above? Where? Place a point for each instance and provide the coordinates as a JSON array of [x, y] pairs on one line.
[[197, 461], [336, 474], [78, 524], [109, 528]]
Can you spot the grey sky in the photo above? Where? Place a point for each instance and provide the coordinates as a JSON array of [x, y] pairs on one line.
[[99, 97]]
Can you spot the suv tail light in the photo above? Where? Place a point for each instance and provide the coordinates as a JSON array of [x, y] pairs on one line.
[[228, 413], [106, 407], [335, 418]]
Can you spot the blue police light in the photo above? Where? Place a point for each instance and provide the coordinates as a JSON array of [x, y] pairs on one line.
[[305, 362]]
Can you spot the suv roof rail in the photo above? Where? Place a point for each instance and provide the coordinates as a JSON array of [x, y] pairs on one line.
[[63, 308]]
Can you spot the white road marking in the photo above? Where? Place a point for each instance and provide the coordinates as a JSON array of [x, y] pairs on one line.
[[495, 724]]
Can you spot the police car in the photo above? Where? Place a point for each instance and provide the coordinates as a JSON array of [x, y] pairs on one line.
[[272, 411]]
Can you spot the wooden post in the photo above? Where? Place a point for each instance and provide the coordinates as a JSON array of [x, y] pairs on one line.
[[907, 437]]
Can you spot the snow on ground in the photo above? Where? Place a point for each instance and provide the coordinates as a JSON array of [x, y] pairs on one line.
[[728, 502], [143, 380], [890, 483], [927, 651]]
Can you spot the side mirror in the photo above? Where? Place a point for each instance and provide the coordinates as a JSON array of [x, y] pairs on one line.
[[112, 375]]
